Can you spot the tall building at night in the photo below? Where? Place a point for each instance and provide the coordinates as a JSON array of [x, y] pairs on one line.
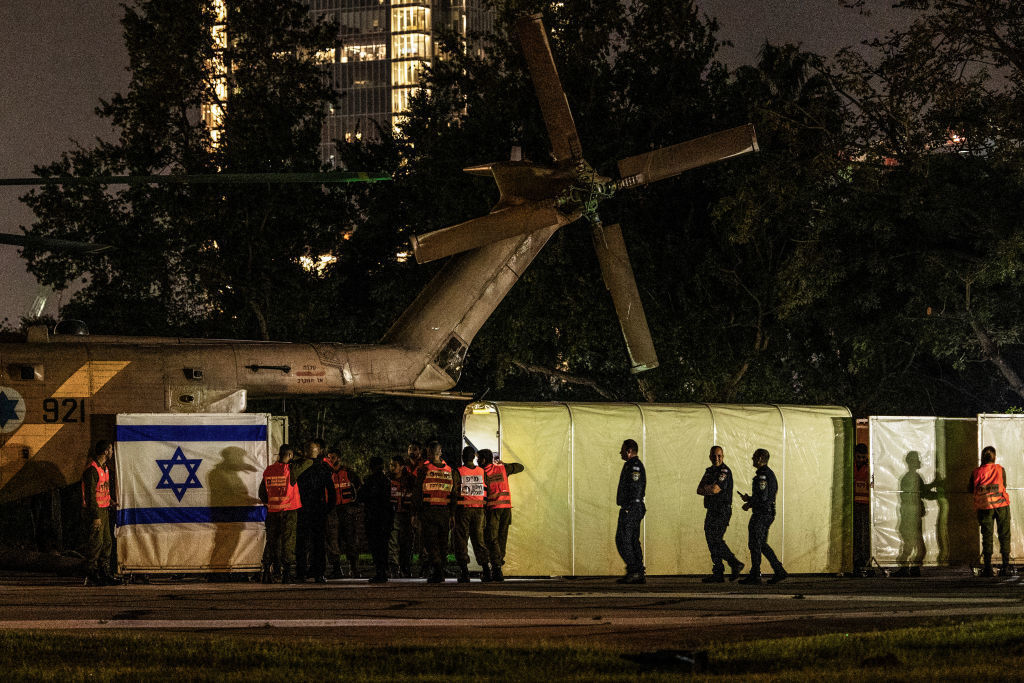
[[384, 45]]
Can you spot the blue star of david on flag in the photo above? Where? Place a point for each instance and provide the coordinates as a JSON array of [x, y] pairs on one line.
[[7, 409], [191, 482]]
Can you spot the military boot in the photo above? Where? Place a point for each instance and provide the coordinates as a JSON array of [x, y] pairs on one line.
[[496, 574], [735, 568], [485, 572], [463, 574], [266, 576], [288, 576]]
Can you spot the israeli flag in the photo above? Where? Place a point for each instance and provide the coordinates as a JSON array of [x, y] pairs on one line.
[[187, 488]]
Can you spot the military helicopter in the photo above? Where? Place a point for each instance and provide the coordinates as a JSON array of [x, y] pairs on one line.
[[61, 390]]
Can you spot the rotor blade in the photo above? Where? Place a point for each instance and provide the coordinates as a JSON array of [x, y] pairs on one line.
[[206, 178], [565, 143], [618, 277], [514, 220], [52, 244], [669, 161]]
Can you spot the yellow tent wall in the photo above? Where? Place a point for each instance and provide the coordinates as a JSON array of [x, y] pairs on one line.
[[564, 511]]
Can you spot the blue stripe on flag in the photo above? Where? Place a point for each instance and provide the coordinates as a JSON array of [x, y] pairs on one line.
[[179, 433], [241, 513]]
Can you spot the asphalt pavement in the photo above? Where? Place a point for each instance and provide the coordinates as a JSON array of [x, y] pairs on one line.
[[666, 611]]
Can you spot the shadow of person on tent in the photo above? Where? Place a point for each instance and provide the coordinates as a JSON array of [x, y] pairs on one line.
[[230, 495], [913, 493]]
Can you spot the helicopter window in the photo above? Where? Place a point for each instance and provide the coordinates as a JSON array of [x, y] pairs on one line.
[[26, 373], [451, 357]]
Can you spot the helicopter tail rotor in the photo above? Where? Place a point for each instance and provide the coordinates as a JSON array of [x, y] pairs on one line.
[[518, 219], [667, 162], [565, 142], [621, 283]]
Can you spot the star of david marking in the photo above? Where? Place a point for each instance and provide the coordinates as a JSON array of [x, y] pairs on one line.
[[7, 409], [191, 482]]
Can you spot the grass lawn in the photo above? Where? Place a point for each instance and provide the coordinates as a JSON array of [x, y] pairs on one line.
[[967, 650]]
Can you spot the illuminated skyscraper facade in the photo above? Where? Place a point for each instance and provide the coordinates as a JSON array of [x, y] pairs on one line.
[[384, 45]]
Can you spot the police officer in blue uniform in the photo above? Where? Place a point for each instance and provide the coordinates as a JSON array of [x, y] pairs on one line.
[[630, 499], [761, 503], [716, 487]]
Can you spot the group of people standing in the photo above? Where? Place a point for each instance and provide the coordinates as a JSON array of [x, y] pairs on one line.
[[311, 513], [716, 486]]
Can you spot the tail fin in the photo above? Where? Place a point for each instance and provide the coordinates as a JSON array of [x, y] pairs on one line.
[[451, 309]]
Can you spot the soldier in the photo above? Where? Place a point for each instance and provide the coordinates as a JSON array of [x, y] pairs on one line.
[[761, 502], [469, 514], [434, 501], [280, 493], [988, 484], [316, 492], [630, 499], [378, 516], [96, 516], [716, 487], [341, 525], [861, 512], [498, 506], [400, 545]]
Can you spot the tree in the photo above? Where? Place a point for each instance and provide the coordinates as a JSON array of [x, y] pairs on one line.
[[924, 230], [215, 259]]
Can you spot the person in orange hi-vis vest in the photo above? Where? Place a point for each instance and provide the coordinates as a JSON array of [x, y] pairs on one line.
[[988, 484], [96, 516], [434, 503], [280, 493], [469, 514], [499, 508], [342, 533]]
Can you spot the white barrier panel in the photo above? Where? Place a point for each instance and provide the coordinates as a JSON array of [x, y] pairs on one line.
[[921, 513], [564, 512], [188, 491], [1006, 434]]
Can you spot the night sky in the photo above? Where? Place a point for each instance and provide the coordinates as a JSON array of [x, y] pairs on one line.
[[59, 58]]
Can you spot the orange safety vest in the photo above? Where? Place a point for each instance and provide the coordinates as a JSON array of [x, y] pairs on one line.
[[102, 486], [282, 494], [346, 493], [862, 484], [437, 485], [498, 495], [989, 484], [472, 490]]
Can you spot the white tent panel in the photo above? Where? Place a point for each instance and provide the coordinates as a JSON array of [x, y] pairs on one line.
[[920, 511]]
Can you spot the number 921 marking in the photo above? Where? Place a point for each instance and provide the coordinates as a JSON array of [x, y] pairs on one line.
[[65, 410]]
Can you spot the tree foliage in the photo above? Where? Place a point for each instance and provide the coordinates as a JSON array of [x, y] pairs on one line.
[[869, 256]]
